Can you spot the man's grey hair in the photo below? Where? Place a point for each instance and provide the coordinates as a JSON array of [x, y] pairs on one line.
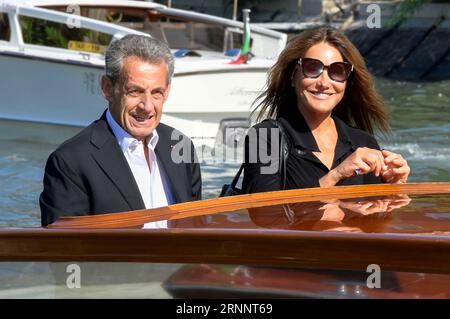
[[147, 49]]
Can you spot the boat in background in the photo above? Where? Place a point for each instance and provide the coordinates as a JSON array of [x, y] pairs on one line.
[[51, 57]]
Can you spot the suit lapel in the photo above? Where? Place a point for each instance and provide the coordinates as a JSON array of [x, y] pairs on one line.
[[111, 160], [175, 172]]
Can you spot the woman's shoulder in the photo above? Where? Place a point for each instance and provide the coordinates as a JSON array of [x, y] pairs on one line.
[[360, 134], [264, 128], [267, 123], [264, 131]]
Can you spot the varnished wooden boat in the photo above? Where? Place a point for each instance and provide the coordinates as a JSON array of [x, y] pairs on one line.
[[289, 241], [224, 281]]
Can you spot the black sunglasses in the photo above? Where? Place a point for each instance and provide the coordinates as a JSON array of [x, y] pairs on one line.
[[337, 71]]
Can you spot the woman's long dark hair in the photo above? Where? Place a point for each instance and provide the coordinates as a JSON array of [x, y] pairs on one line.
[[361, 106]]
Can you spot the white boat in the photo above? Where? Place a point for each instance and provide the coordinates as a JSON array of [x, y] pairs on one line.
[[51, 61]]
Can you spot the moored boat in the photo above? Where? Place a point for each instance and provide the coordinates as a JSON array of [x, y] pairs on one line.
[[52, 53]]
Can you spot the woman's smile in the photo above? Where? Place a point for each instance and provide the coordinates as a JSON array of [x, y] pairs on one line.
[[321, 95]]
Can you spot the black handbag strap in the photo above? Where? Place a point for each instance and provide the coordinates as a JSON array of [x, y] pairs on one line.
[[284, 153], [236, 177]]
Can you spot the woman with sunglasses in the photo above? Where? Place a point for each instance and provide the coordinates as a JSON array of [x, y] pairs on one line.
[[322, 95]]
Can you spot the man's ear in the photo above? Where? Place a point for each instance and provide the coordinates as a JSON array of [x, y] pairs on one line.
[[107, 88], [166, 94]]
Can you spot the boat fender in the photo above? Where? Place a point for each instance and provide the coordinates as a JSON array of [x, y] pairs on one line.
[[186, 52], [233, 52]]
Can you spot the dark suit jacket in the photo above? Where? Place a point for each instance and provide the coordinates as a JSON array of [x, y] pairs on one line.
[[88, 174]]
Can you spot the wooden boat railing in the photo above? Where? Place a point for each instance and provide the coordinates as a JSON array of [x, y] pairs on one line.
[[225, 204], [264, 247]]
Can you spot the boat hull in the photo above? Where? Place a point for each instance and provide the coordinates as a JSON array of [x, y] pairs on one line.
[[68, 93]]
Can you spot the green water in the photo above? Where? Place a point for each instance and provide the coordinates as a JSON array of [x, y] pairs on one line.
[[420, 119]]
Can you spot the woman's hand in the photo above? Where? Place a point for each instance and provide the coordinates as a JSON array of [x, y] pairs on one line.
[[362, 161], [397, 169]]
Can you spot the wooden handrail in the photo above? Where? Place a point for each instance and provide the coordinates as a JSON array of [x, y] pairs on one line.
[[226, 204]]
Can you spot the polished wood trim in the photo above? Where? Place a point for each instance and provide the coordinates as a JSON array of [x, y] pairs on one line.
[[244, 247], [225, 204]]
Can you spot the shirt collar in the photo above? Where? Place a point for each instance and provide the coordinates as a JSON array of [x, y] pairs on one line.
[[343, 131], [124, 138], [298, 130], [301, 134]]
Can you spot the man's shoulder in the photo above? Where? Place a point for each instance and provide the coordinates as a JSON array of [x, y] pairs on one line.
[[81, 140]]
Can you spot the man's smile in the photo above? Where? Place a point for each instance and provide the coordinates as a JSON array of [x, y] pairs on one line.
[[142, 118]]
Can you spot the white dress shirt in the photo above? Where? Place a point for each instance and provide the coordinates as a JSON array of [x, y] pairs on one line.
[[152, 182]]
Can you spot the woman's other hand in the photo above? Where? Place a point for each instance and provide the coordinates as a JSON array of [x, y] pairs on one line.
[[362, 161], [397, 169]]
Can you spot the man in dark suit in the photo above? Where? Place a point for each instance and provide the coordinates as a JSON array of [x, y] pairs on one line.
[[127, 159]]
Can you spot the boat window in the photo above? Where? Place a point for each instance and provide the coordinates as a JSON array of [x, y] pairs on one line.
[[179, 34], [5, 30], [414, 215], [60, 35], [193, 36]]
